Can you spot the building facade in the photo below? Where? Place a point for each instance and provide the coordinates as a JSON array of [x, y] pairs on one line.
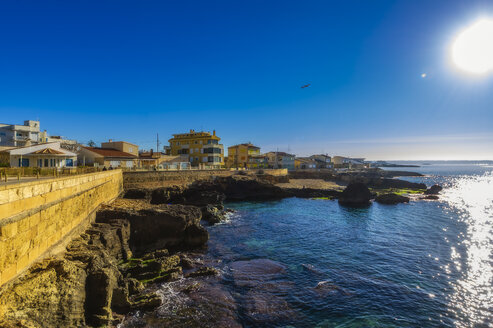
[[13, 135], [123, 146], [151, 160], [202, 148], [304, 163], [322, 161], [106, 157], [242, 155], [48, 155], [280, 160]]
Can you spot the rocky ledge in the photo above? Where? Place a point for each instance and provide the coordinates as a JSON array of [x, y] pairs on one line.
[[108, 270]]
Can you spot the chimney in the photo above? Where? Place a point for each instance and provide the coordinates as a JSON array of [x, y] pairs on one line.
[[152, 151], [110, 140], [213, 132]]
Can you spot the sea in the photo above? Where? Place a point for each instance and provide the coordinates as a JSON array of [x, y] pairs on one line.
[[313, 263]]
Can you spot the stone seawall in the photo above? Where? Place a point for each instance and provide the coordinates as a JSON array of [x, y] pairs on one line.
[[138, 177], [38, 216]]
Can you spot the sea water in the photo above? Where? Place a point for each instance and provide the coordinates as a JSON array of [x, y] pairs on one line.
[[422, 264], [313, 263]]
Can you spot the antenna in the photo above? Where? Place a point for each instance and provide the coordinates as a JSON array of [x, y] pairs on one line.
[[157, 142]]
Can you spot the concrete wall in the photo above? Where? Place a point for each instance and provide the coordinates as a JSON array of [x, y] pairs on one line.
[[38, 216]]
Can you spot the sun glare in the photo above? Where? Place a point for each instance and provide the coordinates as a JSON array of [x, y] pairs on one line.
[[472, 50]]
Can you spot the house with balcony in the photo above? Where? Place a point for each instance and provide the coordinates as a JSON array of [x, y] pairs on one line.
[[14, 135], [202, 148], [242, 155], [280, 160]]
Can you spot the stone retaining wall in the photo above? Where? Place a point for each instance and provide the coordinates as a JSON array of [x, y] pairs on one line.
[[37, 216], [135, 177]]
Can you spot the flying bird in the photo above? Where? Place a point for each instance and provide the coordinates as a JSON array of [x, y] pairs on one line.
[[305, 86]]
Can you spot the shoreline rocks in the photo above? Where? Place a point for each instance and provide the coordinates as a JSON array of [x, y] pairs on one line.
[[391, 199], [355, 195], [433, 190], [99, 278]]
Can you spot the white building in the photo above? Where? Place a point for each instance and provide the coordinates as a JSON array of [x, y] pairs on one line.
[[12, 135], [49, 155]]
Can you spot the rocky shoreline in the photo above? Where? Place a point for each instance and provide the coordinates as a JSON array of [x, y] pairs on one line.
[[146, 238]]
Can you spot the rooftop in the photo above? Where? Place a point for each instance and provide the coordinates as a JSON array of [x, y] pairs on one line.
[[108, 152]]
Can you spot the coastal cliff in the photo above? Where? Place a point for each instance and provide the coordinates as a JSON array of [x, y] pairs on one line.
[[138, 242]]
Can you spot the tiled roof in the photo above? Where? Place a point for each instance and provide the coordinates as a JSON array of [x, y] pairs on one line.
[[108, 152]]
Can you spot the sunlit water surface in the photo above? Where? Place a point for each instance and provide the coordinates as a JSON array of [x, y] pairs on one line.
[[422, 264]]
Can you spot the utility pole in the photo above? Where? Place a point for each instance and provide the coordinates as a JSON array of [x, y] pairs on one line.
[[157, 142]]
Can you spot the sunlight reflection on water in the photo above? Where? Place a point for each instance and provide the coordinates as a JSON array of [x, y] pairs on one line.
[[472, 299]]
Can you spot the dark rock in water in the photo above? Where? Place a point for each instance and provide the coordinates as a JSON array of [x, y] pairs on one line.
[[433, 190], [251, 273], [311, 268], [355, 195], [391, 199], [188, 263], [263, 308], [203, 271], [430, 197], [213, 214], [326, 287]]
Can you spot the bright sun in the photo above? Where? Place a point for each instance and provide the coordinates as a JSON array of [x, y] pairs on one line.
[[472, 51]]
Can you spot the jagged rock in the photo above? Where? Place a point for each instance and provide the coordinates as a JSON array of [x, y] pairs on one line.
[[134, 286], [146, 302], [203, 271], [158, 226], [391, 199], [430, 197], [50, 294], [191, 288], [213, 214], [355, 195], [433, 190]]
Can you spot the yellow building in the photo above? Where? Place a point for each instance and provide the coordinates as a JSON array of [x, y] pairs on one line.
[[123, 146], [243, 155], [202, 148]]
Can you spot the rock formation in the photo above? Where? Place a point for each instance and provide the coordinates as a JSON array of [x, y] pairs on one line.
[[391, 198], [433, 190], [355, 195], [104, 270]]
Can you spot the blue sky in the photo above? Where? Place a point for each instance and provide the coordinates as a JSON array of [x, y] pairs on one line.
[[130, 69]]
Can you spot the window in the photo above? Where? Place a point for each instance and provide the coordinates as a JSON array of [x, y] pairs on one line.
[[69, 162], [40, 163], [191, 151], [130, 150], [47, 162], [24, 162]]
